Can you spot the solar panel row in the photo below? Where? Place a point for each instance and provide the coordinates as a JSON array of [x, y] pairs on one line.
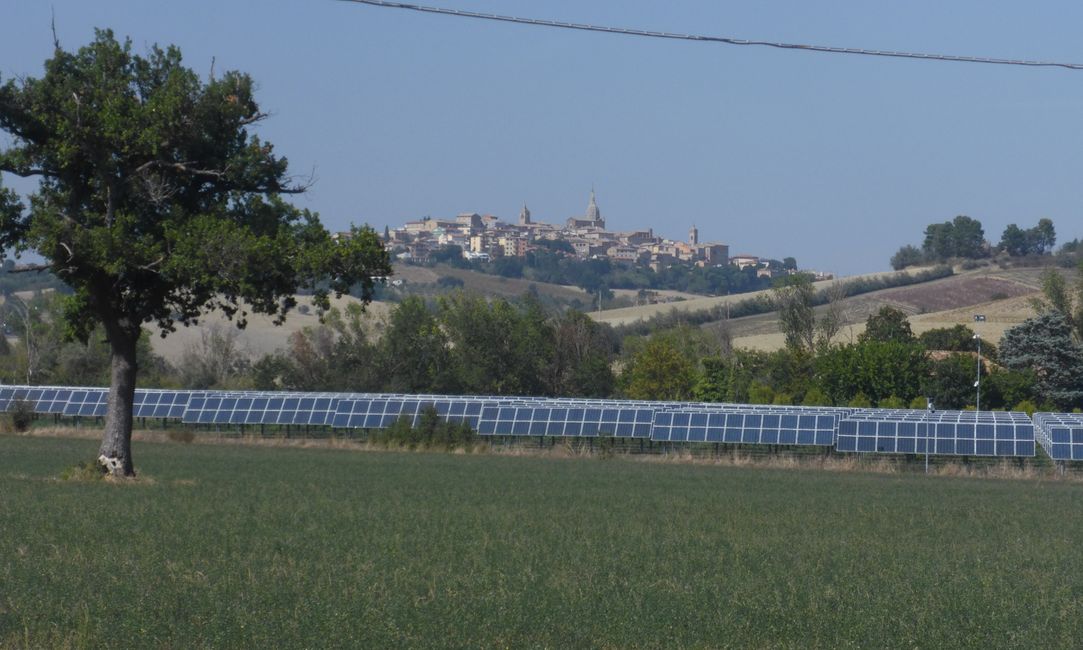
[[892, 431], [1060, 434], [954, 433], [754, 427]]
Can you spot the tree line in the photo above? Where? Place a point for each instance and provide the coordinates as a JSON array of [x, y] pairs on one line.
[[963, 238], [466, 344]]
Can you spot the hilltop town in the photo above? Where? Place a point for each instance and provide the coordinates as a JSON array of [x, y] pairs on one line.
[[486, 237]]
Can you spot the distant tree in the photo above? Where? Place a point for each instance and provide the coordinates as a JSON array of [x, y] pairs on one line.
[[156, 204], [950, 383], [1004, 388], [714, 383], [1044, 345], [939, 243], [1033, 241], [957, 338], [887, 325], [1057, 297], [215, 360], [832, 315], [1043, 236], [794, 298], [960, 237], [581, 364], [907, 256], [413, 351], [659, 372], [968, 237], [1014, 241], [496, 348], [876, 369], [789, 263]]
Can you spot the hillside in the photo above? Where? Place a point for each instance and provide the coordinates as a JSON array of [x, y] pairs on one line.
[[1001, 295], [627, 315]]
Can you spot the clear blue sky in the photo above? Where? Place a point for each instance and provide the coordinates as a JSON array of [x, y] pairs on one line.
[[836, 160]]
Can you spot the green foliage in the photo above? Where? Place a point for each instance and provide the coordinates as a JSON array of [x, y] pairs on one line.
[[860, 400], [877, 370], [888, 325], [496, 348], [1044, 344], [760, 393], [82, 471], [957, 338], [582, 354], [1026, 406], [950, 383], [1038, 240], [659, 372], [794, 301], [715, 382], [413, 352], [156, 204], [1002, 388], [430, 433], [961, 237], [893, 402], [816, 397], [907, 256], [20, 415]]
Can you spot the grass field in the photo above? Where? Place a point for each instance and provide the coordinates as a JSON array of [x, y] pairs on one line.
[[226, 546]]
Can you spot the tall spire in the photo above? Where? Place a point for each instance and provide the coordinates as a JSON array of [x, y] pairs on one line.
[[593, 213], [524, 216]]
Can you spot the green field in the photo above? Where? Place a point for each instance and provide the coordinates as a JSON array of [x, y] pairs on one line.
[[229, 545]]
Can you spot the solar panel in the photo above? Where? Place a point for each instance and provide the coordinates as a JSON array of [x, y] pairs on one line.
[[739, 426], [87, 402], [155, 403], [556, 418], [1060, 434], [951, 433]]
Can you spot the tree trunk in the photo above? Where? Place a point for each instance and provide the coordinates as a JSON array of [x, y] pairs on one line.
[[115, 454]]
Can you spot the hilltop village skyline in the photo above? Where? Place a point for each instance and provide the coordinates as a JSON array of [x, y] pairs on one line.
[[486, 237]]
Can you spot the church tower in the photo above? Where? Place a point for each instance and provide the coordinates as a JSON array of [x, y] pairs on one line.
[[593, 213], [524, 216], [693, 235]]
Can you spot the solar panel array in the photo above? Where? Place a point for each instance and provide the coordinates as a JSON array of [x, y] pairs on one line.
[[566, 420], [945, 433], [885, 431], [1060, 434], [260, 408], [735, 425]]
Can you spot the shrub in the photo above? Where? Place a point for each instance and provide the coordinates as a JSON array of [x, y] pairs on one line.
[[20, 415], [1026, 406], [431, 432], [83, 471]]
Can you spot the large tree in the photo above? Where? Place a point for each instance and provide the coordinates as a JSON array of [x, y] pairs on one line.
[[1044, 345], [156, 204]]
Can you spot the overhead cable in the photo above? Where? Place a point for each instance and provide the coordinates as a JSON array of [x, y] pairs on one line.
[[540, 22]]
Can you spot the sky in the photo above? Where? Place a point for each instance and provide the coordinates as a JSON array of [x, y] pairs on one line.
[[835, 160]]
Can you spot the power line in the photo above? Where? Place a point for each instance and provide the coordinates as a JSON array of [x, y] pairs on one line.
[[539, 22]]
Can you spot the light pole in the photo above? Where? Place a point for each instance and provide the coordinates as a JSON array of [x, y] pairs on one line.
[[928, 439], [977, 382]]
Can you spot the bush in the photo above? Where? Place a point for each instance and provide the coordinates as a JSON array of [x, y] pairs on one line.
[[20, 415], [1026, 406], [430, 433], [83, 471]]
